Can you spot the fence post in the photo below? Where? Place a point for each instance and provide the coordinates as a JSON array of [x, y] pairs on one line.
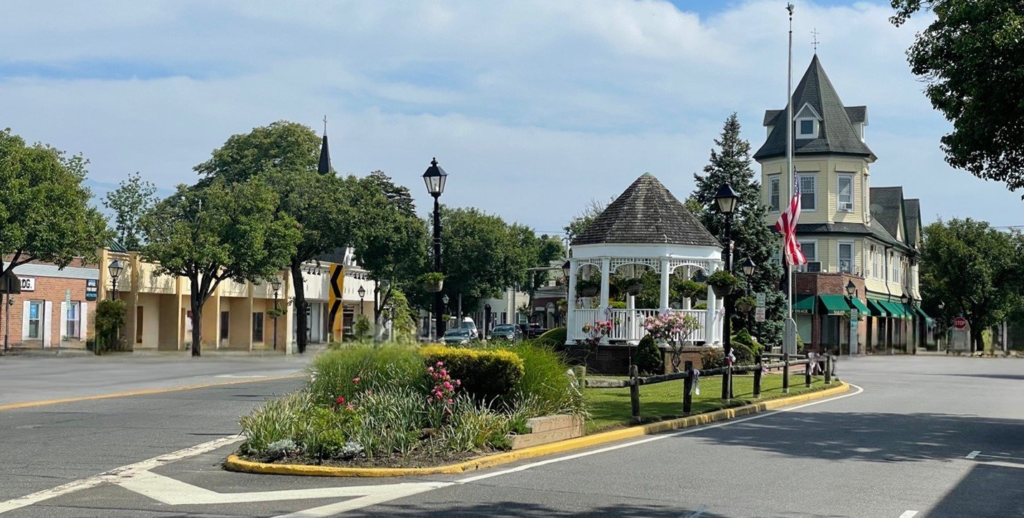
[[725, 381], [688, 388], [807, 374], [785, 373], [828, 369], [757, 376], [634, 392]]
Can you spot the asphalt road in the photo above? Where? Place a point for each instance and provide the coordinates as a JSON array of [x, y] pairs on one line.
[[925, 437]]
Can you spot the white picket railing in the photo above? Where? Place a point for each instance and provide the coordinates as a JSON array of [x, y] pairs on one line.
[[628, 324]]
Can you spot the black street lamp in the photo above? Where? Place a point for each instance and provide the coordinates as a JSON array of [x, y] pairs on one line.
[[565, 272], [115, 269], [434, 178], [851, 288], [904, 299], [362, 293], [276, 284], [727, 200], [748, 267]]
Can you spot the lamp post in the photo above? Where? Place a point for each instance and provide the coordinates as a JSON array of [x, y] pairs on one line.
[[727, 200], [115, 269], [434, 178], [443, 312], [276, 284], [748, 267], [851, 288], [362, 293]]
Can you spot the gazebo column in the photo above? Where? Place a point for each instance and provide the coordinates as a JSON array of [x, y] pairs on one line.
[[710, 330], [664, 292], [687, 303], [570, 304], [606, 266]]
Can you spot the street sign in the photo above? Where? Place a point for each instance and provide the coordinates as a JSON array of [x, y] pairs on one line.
[[67, 296], [759, 314], [959, 323], [334, 318], [91, 289], [760, 300], [854, 314]]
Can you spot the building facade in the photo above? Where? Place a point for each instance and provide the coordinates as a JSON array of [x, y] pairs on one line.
[[859, 291], [50, 307]]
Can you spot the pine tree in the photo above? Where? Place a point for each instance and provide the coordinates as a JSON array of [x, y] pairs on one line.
[[751, 234]]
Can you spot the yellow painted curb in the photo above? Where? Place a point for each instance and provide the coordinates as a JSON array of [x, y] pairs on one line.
[[236, 463], [144, 392]]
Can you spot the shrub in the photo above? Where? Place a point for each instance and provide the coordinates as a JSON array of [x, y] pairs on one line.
[[391, 421], [110, 315], [712, 358], [362, 326], [545, 387], [276, 421], [486, 374], [648, 357], [555, 337], [745, 347], [333, 371]]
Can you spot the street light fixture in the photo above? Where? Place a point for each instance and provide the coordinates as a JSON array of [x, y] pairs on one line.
[[748, 267], [115, 269], [362, 293], [565, 271], [434, 178], [727, 200], [904, 299], [851, 289], [276, 285]]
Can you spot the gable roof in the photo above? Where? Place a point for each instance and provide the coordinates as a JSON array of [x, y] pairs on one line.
[[646, 213], [887, 208], [913, 217], [837, 134]]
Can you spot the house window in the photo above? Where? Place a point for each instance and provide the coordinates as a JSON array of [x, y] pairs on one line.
[[73, 326], [808, 191], [810, 250], [774, 195], [846, 257], [846, 193], [34, 320], [807, 128], [257, 327]]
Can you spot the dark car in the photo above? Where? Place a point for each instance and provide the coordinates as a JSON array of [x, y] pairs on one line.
[[457, 337], [532, 330], [507, 332]]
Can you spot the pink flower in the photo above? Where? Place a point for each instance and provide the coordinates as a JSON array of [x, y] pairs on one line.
[[444, 372], [341, 400], [458, 383], [351, 406], [450, 401], [430, 400], [355, 380], [430, 369], [448, 385], [440, 364], [369, 392]]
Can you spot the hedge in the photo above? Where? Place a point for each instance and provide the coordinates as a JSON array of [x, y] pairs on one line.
[[556, 336], [486, 374]]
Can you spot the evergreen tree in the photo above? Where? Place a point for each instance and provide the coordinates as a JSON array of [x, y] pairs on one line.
[[648, 358], [751, 234]]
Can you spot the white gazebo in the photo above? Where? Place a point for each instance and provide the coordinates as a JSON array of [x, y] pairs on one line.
[[645, 228]]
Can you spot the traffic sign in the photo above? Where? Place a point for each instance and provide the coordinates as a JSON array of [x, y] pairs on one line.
[[959, 323], [760, 300], [334, 318], [759, 314]]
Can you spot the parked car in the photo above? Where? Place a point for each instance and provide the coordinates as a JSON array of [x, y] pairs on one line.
[[532, 331], [507, 332], [469, 325], [457, 336]]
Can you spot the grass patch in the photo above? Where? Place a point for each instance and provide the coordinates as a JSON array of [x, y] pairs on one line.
[[609, 408]]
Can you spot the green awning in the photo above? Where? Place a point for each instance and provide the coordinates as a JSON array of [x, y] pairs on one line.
[[895, 309], [804, 304], [835, 304], [921, 312], [909, 310], [856, 303], [877, 309]]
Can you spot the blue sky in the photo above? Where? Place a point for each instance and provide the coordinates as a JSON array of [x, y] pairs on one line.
[[533, 107]]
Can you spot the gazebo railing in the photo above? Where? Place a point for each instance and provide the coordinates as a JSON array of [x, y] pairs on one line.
[[628, 324]]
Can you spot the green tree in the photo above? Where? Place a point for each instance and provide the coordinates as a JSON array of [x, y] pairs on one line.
[[974, 270], [753, 238], [972, 58], [130, 201], [285, 156], [44, 208], [218, 231]]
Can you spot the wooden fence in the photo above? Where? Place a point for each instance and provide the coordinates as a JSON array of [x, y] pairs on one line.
[[689, 375]]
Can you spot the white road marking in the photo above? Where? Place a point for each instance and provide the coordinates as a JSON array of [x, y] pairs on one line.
[[385, 494], [908, 514], [973, 454], [660, 437], [116, 474], [1007, 457]]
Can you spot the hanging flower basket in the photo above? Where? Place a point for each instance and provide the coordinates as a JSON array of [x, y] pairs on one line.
[[633, 287], [432, 282], [588, 287], [746, 304], [723, 283]]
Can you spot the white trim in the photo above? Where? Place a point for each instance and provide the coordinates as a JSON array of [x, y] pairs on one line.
[[839, 192], [807, 107], [775, 179], [802, 242], [25, 320], [63, 321], [83, 320], [799, 178], [47, 332]]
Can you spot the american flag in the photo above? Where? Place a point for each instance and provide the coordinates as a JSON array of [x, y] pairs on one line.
[[787, 226]]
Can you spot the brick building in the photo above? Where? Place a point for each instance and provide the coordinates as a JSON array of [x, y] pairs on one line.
[[55, 307]]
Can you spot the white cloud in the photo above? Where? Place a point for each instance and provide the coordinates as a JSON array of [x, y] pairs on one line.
[[533, 107]]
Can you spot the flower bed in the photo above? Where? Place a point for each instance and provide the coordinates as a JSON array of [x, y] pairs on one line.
[[408, 406]]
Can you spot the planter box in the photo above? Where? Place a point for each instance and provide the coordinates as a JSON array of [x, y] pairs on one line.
[[549, 429]]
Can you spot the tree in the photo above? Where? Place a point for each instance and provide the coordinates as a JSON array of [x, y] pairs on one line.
[[536, 252], [397, 195], [974, 270], [285, 156], [44, 208], [216, 232], [972, 58], [130, 201], [753, 238]]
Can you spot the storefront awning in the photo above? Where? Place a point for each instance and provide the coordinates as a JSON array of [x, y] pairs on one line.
[[859, 306], [909, 311], [895, 309], [921, 312], [804, 304], [877, 309], [835, 304]]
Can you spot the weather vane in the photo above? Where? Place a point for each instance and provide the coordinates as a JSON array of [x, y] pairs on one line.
[[815, 41]]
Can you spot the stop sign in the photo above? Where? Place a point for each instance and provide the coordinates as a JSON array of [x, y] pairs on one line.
[[959, 323]]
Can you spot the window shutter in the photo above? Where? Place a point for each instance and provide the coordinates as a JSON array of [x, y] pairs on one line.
[[63, 329], [45, 322], [83, 320], [24, 320]]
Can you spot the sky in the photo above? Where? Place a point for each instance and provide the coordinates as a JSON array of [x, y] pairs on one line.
[[533, 107]]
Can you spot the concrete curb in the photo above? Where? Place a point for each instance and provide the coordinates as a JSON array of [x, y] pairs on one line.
[[236, 463]]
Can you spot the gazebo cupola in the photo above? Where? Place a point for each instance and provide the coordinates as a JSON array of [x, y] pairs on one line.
[[645, 228]]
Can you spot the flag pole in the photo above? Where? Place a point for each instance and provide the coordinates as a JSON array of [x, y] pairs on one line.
[[789, 345]]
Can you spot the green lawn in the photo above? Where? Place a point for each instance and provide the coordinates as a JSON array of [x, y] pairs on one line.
[[609, 408]]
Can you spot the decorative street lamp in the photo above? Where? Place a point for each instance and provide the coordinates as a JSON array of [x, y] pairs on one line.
[[748, 267], [115, 269], [434, 178], [727, 200], [851, 288], [276, 284], [904, 298], [565, 271], [362, 293]]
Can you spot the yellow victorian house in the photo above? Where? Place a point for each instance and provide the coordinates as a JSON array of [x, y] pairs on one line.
[[860, 241]]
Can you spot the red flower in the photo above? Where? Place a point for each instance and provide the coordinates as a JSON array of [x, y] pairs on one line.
[[341, 400]]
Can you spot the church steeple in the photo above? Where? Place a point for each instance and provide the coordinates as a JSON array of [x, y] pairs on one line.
[[324, 167]]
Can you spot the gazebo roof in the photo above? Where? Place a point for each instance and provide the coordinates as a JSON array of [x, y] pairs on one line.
[[646, 213]]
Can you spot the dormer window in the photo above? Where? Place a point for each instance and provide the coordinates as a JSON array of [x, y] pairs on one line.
[[807, 122]]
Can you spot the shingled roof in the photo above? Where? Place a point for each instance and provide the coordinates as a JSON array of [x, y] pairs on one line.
[[647, 213], [837, 134], [913, 209], [886, 205]]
